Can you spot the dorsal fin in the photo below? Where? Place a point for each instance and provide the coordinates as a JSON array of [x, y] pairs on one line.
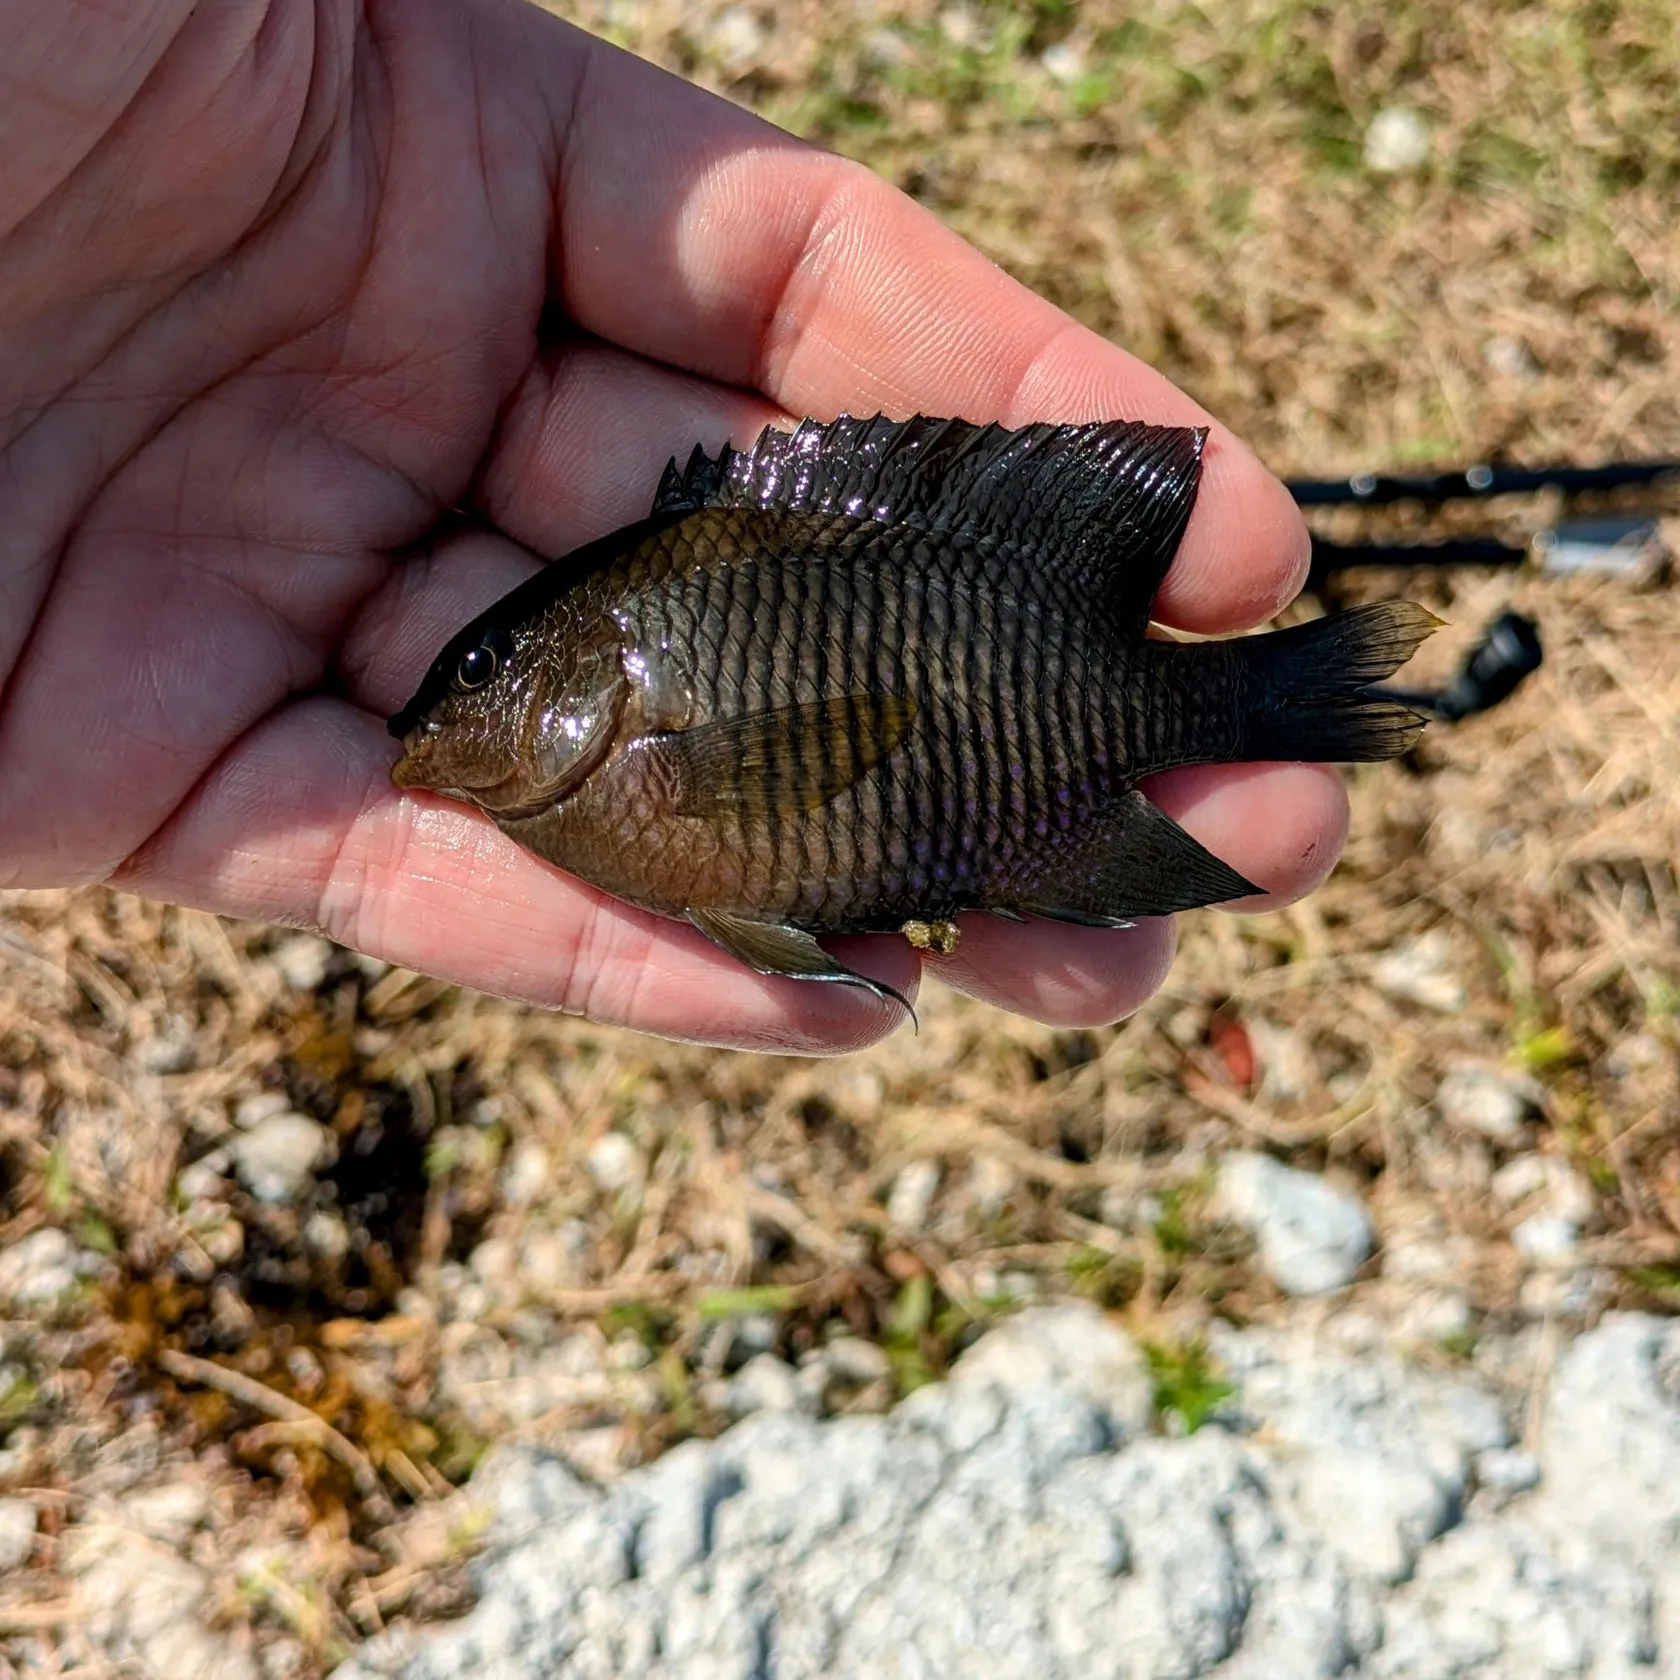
[[1107, 500], [694, 487]]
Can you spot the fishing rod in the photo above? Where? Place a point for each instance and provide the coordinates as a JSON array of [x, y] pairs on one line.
[[1477, 483], [1509, 649]]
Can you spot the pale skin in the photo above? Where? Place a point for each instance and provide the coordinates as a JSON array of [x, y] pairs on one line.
[[283, 284]]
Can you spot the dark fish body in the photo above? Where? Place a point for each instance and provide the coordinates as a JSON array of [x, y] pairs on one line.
[[874, 673]]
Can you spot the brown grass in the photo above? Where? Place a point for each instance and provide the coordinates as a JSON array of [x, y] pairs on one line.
[[1189, 181]]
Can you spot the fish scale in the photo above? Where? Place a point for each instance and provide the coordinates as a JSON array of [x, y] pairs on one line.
[[873, 673]]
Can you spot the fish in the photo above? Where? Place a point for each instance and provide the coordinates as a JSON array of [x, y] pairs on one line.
[[869, 675]]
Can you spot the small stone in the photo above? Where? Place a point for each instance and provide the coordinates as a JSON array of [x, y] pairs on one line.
[[169, 1513], [17, 1533], [1397, 140], [1438, 1315], [1313, 1237], [1070, 1346], [1556, 1290], [39, 1270], [1508, 1469], [1123, 1208], [912, 1196], [276, 1158], [494, 1263], [1546, 1237], [326, 1235], [1553, 1185], [991, 1183], [737, 37], [544, 1264], [1510, 358], [1064, 62], [961, 28], [302, 961], [526, 1175], [615, 1163], [628, 1352], [852, 1360], [764, 1384], [1422, 971], [886, 47], [255, 1109], [1484, 1101], [203, 1180]]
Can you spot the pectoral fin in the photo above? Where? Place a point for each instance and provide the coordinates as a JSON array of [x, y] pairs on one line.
[[774, 948], [794, 758], [1138, 862]]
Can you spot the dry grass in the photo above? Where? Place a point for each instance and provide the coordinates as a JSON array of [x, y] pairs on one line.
[[1190, 181]]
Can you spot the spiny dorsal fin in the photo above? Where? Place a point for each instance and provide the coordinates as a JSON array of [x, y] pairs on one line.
[[694, 487], [1109, 500]]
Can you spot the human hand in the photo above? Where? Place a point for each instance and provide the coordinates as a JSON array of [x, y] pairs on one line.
[[281, 285]]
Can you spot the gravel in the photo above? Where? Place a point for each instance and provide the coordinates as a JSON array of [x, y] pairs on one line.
[[1313, 1236], [42, 1271], [277, 1157], [1344, 1513]]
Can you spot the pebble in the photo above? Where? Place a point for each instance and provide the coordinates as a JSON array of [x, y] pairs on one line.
[[526, 1175], [276, 1158], [1510, 358], [1422, 970], [764, 1384], [203, 1180], [169, 1512], [912, 1196], [1563, 1190], [1064, 62], [615, 1163], [991, 1183], [851, 1360], [737, 37], [1313, 1237], [1546, 1237], [259, 1107], [1484, 1101], [1397, 140], [17, 1533], [42, 1270], [302, 961], [143, 1604], [1509, 1469], [326, 1235]]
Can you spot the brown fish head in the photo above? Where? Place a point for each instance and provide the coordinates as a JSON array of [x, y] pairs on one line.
[[512, 718]]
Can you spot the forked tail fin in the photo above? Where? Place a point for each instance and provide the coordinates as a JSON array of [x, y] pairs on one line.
[[1308, 685]]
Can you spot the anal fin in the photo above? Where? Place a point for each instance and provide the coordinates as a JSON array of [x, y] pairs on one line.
[[775, 948], [1138, 862]]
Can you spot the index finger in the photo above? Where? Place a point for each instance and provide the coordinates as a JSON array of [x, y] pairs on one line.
[[691, 232]]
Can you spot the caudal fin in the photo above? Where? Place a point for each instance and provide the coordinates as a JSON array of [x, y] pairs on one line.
[[1309, 683]]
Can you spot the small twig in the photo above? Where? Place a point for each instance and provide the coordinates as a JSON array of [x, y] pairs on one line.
[[185, 1367], [39, 1618]]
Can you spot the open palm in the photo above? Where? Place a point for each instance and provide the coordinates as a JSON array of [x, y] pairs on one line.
[[321, 321]]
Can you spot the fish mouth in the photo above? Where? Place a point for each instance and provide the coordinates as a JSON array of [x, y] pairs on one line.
[[410, 770]]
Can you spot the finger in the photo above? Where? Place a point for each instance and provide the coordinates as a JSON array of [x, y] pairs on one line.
[[1064, 976], [695, 234], [587, 433], [300, 824], [1280, 825]]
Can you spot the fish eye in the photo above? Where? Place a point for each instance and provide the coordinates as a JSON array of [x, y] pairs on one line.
[[479, 664]]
